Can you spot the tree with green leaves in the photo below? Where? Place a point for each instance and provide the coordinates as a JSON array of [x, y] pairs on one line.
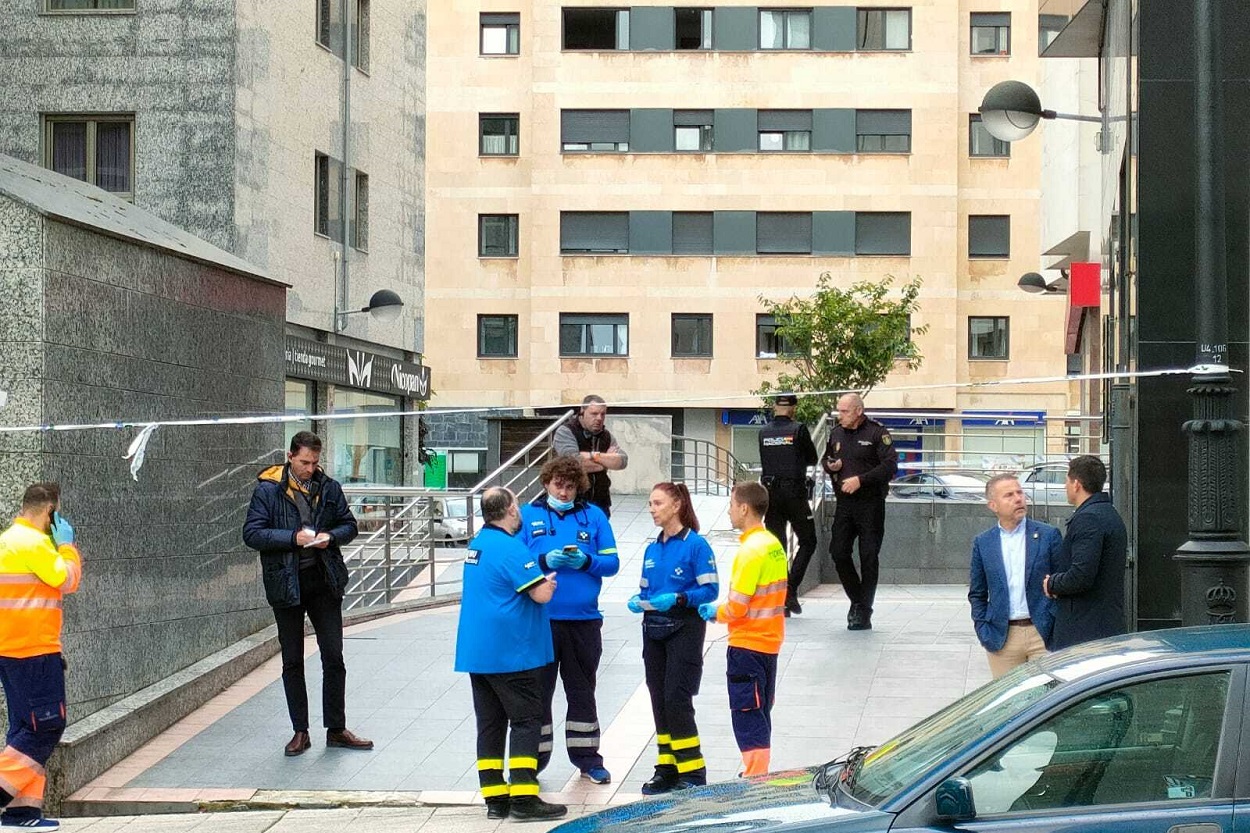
[[842, 339]]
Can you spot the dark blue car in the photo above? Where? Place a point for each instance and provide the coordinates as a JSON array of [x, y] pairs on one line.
[[1138, 733]]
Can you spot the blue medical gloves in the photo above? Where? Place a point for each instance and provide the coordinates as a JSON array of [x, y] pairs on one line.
[[635, 604], [62, 530], [707, 610], [559, 558], [664, 601]]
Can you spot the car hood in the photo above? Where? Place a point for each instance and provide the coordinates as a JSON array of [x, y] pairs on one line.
[[777, 801]]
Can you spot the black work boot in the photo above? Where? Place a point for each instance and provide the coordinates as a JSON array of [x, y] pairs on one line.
[[533, 808]]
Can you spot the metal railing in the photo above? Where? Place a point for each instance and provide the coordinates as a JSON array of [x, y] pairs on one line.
[[412, 538], [705, 467]]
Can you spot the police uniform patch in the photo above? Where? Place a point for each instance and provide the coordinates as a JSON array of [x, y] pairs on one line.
[[471, 557], [886, 440]]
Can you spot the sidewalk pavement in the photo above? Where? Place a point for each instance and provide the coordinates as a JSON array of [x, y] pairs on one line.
[[836, 689]]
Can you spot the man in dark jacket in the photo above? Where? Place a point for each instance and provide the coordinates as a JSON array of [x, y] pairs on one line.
[[584, 437], [1088, 581], [297, 520]]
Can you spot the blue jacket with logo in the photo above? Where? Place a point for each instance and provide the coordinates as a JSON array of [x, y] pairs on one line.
[[544, 529], [683, 563]]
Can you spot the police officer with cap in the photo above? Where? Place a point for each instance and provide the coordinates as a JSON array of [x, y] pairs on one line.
[[861, 457], [786, 452]]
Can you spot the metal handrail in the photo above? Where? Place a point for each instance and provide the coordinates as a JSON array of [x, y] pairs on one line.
[[526, 449], [715, 468]]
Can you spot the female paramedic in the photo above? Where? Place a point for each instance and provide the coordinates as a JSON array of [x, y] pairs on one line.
[[678, 575]]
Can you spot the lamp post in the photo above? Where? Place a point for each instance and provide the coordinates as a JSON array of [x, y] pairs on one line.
[[1214, 562], [384, 305]]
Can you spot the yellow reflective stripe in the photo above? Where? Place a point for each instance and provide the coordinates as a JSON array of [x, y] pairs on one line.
[[741, 598], [26, 604], [494, 791], [522, 762], [530, 584], [663, 738], [686, 743], [666, 759], [523, 789], [608, 551], [766, 612], [489, 763], [691, 766], [775, 587]]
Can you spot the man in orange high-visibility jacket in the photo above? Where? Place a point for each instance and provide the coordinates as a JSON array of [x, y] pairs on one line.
[[39, 564], [755, 613]]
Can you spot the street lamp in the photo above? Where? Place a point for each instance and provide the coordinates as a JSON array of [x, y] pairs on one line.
[[1034, 283], [1011, 110], [384, 305]]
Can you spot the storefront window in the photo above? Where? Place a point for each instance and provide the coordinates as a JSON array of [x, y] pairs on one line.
[[299, 400], [366, 451]]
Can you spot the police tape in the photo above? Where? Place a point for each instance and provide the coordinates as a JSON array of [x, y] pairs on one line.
[[138, 446]]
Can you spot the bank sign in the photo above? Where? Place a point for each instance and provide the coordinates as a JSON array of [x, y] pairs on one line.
[[339, 365]]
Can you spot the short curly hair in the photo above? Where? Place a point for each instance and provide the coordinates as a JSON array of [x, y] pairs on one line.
[[566, 467]]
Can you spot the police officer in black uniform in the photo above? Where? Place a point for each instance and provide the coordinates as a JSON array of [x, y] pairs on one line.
[[862, 460], [786, 451]]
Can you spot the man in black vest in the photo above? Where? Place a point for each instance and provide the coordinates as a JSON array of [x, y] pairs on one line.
[[786, 452], [584, 436]]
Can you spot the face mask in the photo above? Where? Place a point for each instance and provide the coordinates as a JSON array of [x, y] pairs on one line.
[[559, 505]]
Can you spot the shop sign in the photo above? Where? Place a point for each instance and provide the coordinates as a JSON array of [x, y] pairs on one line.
[[339, 365]]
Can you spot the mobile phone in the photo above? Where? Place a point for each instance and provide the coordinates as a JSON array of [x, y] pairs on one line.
[[569, 549]]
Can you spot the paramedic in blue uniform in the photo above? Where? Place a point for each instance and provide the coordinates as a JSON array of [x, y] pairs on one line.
[[678, 575], [572, 537], [786, 453], [503, 642], [861, 457]]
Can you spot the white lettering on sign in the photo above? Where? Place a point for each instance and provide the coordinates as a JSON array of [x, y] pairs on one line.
[[302, 357], [413, 384]]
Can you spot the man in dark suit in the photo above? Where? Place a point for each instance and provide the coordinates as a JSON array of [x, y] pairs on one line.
[[1088, 581], [1012, 616]]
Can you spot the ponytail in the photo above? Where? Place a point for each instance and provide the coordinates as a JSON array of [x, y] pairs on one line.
[[685, 508]]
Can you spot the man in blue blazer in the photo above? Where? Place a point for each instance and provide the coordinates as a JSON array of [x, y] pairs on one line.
[[1010, 561], [1088, 577]]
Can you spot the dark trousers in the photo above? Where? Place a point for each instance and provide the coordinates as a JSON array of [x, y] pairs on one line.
[[752, 679], [509, 713], [673, 667], [788, 504], [862, 519], [325, 611], [34, 688], [578, 648]]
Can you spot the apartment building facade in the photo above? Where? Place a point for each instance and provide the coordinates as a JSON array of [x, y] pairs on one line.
[[612, 190], [290, 134]]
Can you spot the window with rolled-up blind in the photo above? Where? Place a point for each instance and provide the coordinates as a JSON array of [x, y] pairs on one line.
[[594, 129], [594, 232], [783, 232]]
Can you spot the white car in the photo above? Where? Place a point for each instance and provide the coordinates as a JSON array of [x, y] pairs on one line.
[[1043, 484]]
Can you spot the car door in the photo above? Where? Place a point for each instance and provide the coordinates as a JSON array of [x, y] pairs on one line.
[[1151, 756]]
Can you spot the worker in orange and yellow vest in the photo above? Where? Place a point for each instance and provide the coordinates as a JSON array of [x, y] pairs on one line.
[[39, 565], [755, 613]]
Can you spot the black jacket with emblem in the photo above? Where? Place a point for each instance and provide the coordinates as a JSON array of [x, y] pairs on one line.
[[866, 452], [273, 519], [786, 450]]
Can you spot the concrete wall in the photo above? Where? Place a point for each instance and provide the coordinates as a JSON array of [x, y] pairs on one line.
[[928, 543], [171, 64], [649, 442], [98, 329]]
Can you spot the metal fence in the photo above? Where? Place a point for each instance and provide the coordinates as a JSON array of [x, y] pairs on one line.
[[412, 539], [706, 468]]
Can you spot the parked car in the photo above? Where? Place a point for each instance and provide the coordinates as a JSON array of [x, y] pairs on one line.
[[1043, 484], [451, 520], [1135, 733], [932, 485]]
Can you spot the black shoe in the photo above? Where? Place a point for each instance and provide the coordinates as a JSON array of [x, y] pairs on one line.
[[686, 783], [533, 808], [793, 606], [852, 616], [497, 808], [659, 784], [862, 620]]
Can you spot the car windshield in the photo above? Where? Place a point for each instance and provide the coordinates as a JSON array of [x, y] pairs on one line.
[[455, 508], [899, 762], [963, 481]]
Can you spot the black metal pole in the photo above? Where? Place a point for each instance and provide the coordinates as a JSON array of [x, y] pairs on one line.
[[1215, 564]]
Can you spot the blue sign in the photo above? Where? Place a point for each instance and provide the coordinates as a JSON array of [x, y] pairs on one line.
[[1005, 419], [906, 422], [744, 416]]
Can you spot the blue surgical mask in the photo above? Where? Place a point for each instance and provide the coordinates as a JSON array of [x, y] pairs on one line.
[[559, 505]]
